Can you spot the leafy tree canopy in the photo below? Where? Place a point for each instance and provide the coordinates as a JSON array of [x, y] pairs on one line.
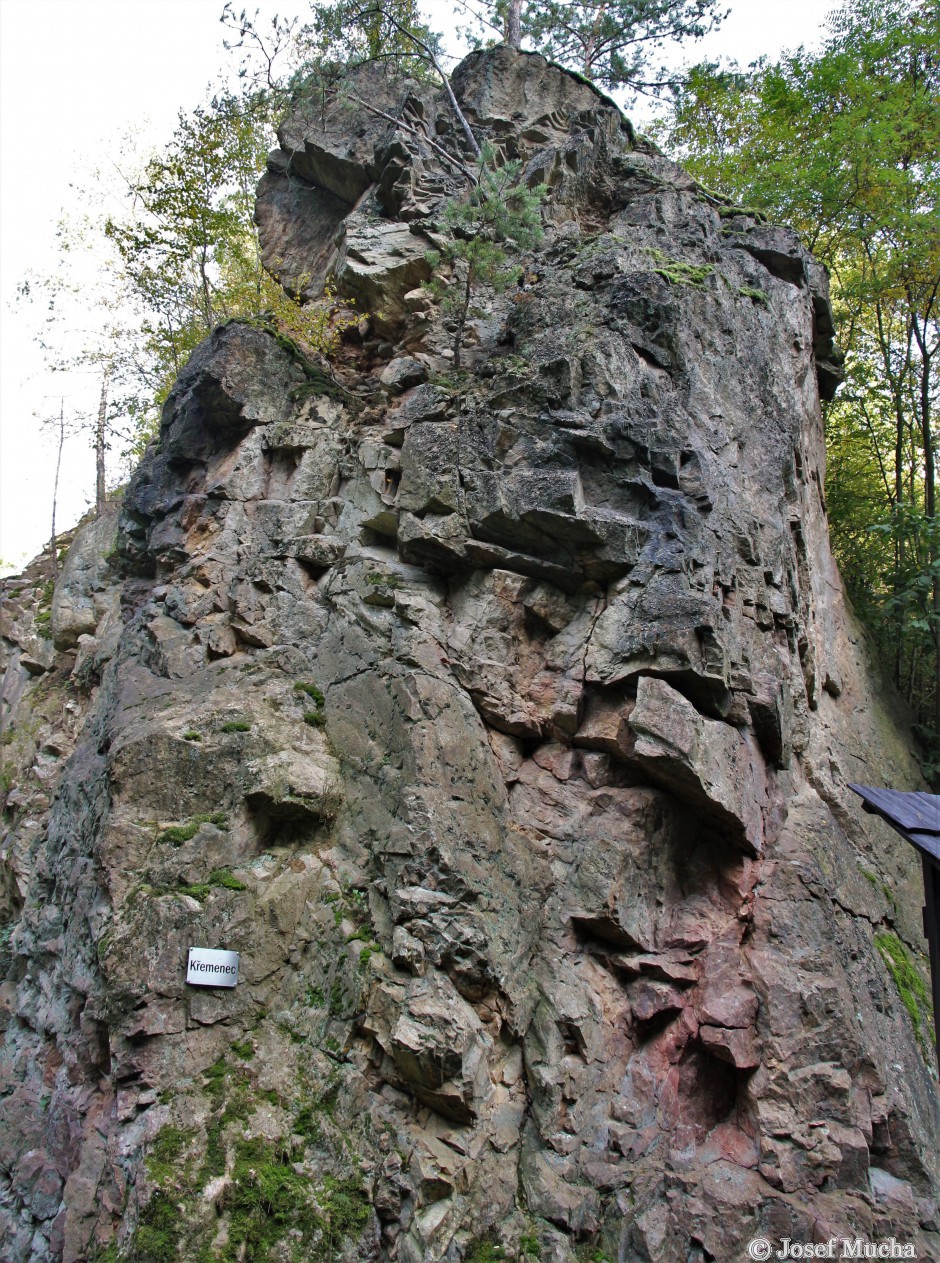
[[611, 42], [844, 145], [279, 55]]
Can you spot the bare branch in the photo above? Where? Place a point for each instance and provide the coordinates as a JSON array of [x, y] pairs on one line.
[[400, 122]]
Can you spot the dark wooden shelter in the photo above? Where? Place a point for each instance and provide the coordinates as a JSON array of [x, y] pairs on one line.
[[917, 818]]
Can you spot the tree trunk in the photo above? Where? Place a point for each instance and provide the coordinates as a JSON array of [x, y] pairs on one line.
[[462, 320], [930, 502], [99, 447], [55, 488], [514, 24]]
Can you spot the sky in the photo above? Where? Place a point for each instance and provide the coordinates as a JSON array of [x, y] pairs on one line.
[[95, 84]]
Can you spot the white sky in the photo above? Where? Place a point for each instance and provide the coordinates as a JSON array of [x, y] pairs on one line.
[[76, 76]]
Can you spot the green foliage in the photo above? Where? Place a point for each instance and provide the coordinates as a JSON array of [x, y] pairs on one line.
[[189, 256], [265, 1200], [189, 243], [164, 1160], [236, 725], [315, 718], [245, 1049], [159, 1231], [197, 890], [192, 735], [497, 217], [350, 33], [337, 998], [223, 878], [530, 1245], [591, 1254], [484, 1250], [215, 1077], [104, 1254], [179, 833], [345, 1206], [912, 988], [311, 691], [286, 54], [676, 271], [312, 328], [612, 41], [843, 144], [218, 879]]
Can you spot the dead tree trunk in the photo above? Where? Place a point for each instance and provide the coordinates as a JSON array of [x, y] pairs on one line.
[[55, 489], [100, 493]]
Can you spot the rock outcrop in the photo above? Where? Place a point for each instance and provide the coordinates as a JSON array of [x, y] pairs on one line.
[[502, 722]]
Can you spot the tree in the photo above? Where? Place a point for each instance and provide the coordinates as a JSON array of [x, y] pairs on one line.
[[611, 42], [498, 215], [181, 258], [338, 38], [282, 53], [187, 244], [514, 23], [82, 334], [844, 145]]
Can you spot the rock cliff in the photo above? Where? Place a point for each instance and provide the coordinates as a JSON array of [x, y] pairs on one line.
[[502, 722]]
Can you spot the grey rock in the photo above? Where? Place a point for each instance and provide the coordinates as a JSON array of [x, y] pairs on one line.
[[403, 373], [502, 723], [709, 764]]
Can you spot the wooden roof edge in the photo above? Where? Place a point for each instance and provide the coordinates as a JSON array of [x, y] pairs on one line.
[[915, 816]]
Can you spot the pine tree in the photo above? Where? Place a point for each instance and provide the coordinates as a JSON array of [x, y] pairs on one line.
[[498, 217]]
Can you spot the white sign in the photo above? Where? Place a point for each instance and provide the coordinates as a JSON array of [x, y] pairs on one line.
[[209, 968]]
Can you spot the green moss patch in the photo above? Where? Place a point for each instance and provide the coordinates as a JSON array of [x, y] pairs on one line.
[[165, 1159], [268, 1198], [484, 1250], [265, 1200], [911, 986], [218, 879], [236, 725], [311, 691], [159, 1231], [676, 272], [530, 1246], [179, 833], [306, 689], [753, 212]]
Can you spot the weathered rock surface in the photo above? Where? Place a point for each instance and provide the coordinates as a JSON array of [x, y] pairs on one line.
[[502, 722]]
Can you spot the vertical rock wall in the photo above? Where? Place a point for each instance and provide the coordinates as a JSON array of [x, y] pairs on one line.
[[502, 722]]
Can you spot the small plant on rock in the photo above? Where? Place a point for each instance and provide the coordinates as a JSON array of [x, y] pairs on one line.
[[498, 215], [316, 717]]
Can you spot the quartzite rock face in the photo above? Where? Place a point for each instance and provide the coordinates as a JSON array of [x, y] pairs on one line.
[[502, 722]]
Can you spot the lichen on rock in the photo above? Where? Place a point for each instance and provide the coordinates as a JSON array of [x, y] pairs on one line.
[[486, 716]]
